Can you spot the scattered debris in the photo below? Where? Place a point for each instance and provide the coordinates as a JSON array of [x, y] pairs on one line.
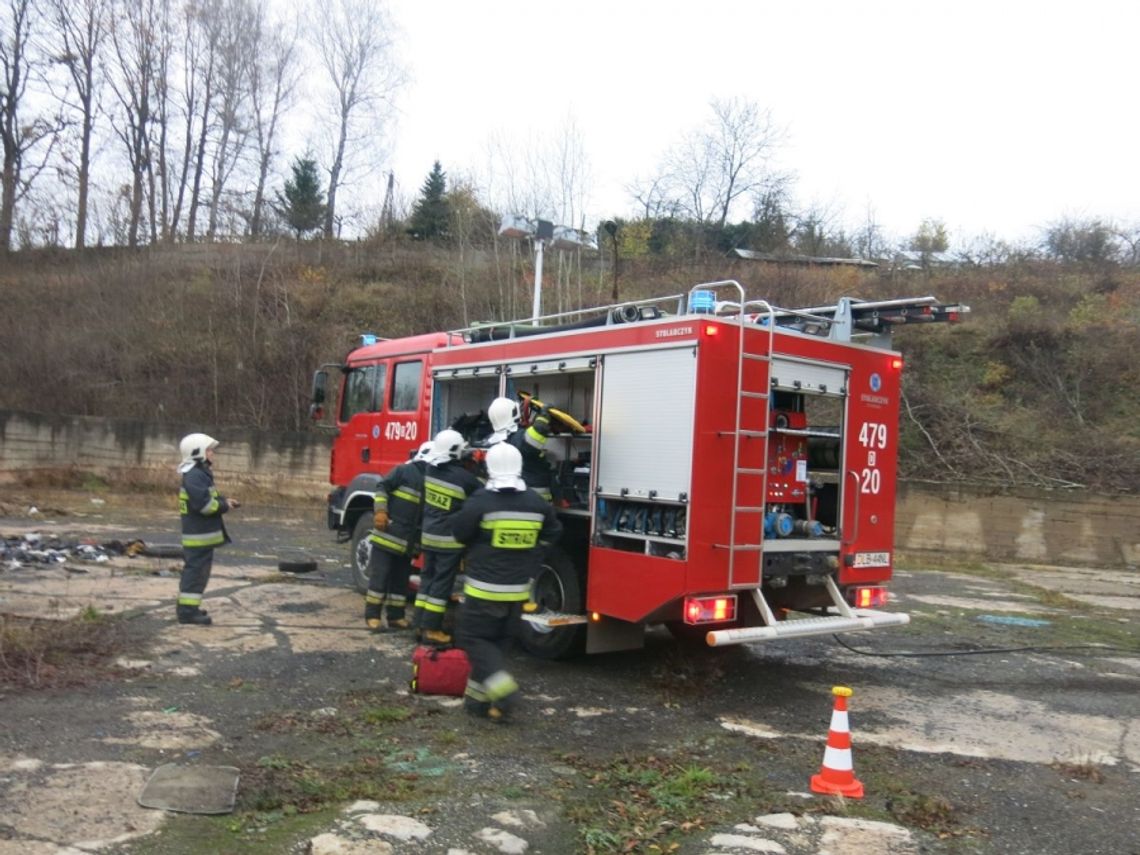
[[34, 548]]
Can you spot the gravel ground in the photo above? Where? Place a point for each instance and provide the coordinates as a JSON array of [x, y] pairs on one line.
[[681, 748]]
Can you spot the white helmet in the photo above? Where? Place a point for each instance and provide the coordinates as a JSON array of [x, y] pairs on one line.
[[504, 468], [504, 414], [447, 445], [193, 448], [424, 453]]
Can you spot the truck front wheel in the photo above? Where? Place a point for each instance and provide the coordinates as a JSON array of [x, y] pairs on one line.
[[361, 550], [558, 588]]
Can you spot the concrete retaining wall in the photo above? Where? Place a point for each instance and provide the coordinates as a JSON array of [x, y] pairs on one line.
[[292, 464], [1023, 525]]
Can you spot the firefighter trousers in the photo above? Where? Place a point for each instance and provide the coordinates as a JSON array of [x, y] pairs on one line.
[[388, 575], [197, 563], [485, 629], [436, 584]]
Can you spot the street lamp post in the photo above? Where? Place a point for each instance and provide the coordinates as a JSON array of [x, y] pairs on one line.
[[611, 228], [542, 232]]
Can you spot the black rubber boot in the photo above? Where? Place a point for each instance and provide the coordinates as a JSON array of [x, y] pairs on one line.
[[193, 615]]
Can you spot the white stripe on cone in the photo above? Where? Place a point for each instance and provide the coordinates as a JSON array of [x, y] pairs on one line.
[[838, 759]]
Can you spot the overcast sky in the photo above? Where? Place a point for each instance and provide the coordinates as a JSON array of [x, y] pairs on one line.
[[996, 116]]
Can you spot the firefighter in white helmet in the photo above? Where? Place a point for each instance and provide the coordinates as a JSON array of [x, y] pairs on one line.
[[201, 507], [505, 419], [505, 526], [397, 512], [447, 484]]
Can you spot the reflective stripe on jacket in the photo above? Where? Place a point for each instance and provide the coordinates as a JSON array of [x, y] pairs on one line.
[[201, 507], [531, 444], [400, 493], [504, 531], [446, 489]]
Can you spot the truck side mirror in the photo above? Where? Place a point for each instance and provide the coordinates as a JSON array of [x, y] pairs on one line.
[[320, 387]]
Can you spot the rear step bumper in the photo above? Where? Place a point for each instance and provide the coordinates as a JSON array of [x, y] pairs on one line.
[[847, 620], [861, 619]]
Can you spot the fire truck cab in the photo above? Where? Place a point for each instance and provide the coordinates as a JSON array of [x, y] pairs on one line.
[[722, 467]]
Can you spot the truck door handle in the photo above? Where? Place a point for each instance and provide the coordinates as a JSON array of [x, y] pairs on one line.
[[366, 454]]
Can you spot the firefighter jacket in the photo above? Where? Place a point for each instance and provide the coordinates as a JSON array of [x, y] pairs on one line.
[[504, 531], [400, 493], [446, 488], [531, 443], [201, 507]]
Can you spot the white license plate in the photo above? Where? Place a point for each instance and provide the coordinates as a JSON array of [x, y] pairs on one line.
[[872, 559]]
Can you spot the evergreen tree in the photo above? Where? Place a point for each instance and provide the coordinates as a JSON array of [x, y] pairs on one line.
[[302, 204], [431, 213]]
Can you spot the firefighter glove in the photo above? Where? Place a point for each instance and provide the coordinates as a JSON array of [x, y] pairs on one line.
[[380, 520]]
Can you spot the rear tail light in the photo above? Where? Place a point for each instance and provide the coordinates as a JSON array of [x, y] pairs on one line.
[[710, 609], [867, 597]]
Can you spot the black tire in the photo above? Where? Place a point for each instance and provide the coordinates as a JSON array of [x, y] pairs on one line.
[[558, 588], [360, 550], [163, 550], [297, 566]]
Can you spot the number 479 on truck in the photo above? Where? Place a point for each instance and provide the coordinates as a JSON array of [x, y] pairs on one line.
[[725, 467]]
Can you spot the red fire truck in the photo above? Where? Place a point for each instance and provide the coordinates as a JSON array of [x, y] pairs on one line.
[[723, 467]]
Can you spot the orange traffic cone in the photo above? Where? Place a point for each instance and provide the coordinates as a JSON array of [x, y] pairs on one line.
[[837, 775]]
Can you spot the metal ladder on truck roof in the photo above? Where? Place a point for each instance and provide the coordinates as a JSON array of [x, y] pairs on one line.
[[850, 316]]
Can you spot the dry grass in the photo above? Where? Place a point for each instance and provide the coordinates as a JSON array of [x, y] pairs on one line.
[[1085, 771], [45, 654]]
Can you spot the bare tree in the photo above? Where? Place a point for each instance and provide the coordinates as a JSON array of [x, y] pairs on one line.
[[203, 38], [18, 135], [545, 175], [190, 92], [273, 84], [652, 197], [727, 160], [870, 240], [355, 48], [158, 168], [1129, 238], [81, 26], [235, 63], [134, 27]]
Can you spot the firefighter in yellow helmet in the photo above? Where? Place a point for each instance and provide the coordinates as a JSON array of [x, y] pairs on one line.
[[201, 507], [505, 526]]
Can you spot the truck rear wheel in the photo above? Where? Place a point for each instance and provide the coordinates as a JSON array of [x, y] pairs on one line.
[[360, 551], [558, 588]]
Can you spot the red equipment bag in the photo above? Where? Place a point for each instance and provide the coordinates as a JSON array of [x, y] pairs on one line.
[[439, 672]]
